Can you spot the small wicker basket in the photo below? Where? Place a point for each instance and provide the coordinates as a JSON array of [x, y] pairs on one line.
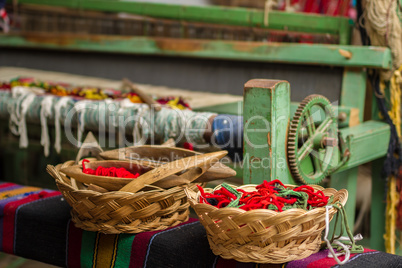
[[130, 210], [263, 235]]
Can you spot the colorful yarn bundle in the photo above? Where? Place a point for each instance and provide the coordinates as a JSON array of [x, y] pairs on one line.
[[268, 195], [61, 89], [91, 93], [174, 102], [110, 172]]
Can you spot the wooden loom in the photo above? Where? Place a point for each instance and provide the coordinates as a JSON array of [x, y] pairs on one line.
[[368, 140]]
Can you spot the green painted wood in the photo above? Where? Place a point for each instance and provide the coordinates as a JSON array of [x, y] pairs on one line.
[[317, 54], [369, 141], [345, 33], [233, 108], [353, 92], [238, 167], [300, 22], [378, 194], [378, 206], [236, 108], [347, 179], [266, 119]]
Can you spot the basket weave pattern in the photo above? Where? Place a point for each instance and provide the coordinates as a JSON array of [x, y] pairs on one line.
[[122, 212], [263, 235]]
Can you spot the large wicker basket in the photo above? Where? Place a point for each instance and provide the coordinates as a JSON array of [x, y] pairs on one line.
[[122, 212], [262, 235], [137, 207]]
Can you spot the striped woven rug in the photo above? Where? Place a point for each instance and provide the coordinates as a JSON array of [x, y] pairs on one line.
[[36, 224]]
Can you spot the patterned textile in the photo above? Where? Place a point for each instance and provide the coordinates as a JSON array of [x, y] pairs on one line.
[[36, 224], [20, 206]]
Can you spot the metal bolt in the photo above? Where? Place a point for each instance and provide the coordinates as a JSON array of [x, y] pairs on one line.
[[342, 117], [331, 142]]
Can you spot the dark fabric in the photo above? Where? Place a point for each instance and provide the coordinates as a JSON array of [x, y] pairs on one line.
[[46, 233], [143, 241], [184, 246], [73, 254], [9, 218], [374, 259], [3, 204], [320, 259], [394, 154]]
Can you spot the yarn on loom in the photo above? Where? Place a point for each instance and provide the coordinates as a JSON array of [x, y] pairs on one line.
[[384, 28], [23, 105], [22, 99]]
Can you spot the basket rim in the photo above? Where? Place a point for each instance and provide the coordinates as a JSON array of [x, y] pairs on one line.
[[75, 187]]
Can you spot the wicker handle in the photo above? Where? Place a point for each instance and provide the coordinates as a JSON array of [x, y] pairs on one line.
[[195, 166], [191, 196]]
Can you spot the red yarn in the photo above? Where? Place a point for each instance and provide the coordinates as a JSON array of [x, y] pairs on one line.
[[263, 197], [110, 172], [316, 199], [188, 146]]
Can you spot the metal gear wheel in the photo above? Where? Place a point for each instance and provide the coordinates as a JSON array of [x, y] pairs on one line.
[[312, 140]]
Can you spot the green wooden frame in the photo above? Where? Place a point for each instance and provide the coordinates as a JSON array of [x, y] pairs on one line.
[[266, 118], [347, 117], [267, 138], [269, 100], [317, 54], [300, 22]]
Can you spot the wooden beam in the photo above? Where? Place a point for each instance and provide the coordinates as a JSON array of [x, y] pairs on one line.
[[314, 54], [266, 120], [353, 92], [368, 141], [278, 20], [347, 117]]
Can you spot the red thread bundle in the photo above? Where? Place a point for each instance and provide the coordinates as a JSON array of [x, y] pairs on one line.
[[267, 196], [110, 172]]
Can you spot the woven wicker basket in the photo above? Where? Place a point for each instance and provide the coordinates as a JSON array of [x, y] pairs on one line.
[[122, 212], [116, 205], [262, 235]]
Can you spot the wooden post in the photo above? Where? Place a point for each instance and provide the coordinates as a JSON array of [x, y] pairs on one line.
[[266, 120]]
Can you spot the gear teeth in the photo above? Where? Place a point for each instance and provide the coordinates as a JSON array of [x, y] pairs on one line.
[[293, 136]]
